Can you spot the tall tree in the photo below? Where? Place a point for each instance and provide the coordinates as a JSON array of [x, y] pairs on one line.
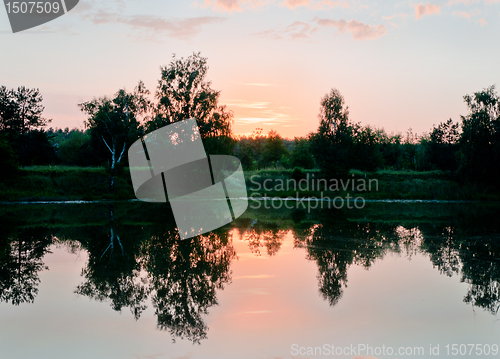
[[20, 125], [480, 140], [183, 92], [333, 143], [274, 149], [20, 110], [443, 145], [115, 123], [301, 155]]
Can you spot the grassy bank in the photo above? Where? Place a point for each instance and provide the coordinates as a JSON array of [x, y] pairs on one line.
[[65, 183], [92, 183], [384, 184]]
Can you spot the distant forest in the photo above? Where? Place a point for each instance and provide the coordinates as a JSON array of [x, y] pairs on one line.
[[469, 149]]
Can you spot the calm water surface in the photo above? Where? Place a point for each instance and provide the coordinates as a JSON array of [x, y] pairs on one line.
[[115, 281]]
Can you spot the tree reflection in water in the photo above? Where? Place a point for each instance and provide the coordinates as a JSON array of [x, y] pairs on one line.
[[336, 243], [184, 276], [128, 264], [113, 268], [261, 234], [132, 260], [21, 253]]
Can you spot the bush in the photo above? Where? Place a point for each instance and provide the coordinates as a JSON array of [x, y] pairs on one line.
[[8, 159]]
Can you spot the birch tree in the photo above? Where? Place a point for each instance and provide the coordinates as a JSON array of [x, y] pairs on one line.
[[184, 92], [115, 123]]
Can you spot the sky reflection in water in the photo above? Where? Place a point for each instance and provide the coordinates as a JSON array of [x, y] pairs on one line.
[[103, 281]]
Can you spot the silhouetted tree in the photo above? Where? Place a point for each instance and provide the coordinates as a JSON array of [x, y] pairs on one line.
[[182, 93], [366, 151], [8, 159], [442, 145], [333, 144], [34, 148], [301, 155], [274, 149], [20, 110], [480, 140], [115, 123]]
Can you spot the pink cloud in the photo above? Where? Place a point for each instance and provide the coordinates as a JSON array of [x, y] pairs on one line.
[[228, 5], [466, 15], [177, 28], [298, 30], [482, 22], [330, 4], [465, 2], [301, 30], [426, 9], [403, 16], [233, 5], [292, 4], [359, 31]]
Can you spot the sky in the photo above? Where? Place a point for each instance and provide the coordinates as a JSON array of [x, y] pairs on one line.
[[398, 64]]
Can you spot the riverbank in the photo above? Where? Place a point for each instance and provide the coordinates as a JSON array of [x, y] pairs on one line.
[[62, 183], [379, 185]]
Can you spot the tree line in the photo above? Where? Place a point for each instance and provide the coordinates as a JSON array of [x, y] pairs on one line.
[[469, 149]]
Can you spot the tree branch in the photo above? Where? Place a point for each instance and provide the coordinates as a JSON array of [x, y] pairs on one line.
[[109, 148]]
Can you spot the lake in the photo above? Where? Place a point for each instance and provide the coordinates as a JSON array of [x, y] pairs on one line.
[[114, 280]]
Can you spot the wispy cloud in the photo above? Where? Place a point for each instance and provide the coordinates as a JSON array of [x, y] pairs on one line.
[[316, 5], [242, 5], [482, 22], [300, 30], [422, 10], [270, 34], [403, 16], [233, 5], [359, 31], [259, 121], [257, 113], [465, 2], [177, 28], [247, 104], [466, 15]]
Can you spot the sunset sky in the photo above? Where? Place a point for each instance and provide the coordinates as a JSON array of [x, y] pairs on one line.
[[399, 64]]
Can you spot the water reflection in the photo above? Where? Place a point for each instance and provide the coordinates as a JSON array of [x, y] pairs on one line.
[[113, 268], [128, 264], [336, 243], [184, 276], [261, 234], [136, 257], [21, 253]]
